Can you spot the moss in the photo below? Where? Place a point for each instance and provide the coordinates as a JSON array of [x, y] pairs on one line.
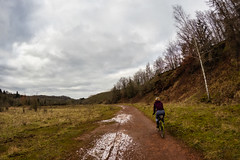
[[3, 148]]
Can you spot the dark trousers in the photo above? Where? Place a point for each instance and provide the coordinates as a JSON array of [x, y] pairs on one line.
[[160, 112]]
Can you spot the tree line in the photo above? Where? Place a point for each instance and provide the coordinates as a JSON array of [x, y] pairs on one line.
[[35, 102], [197, 41]]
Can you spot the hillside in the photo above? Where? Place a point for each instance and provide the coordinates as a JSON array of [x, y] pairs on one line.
[[186, 83], [104, 97], [209, 42]]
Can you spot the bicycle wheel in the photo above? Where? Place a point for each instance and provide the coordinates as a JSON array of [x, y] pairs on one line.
[[161, 128]]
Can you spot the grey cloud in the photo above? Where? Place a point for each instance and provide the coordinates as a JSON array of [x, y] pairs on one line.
[[79, 48], [14, 21], [5, 70]]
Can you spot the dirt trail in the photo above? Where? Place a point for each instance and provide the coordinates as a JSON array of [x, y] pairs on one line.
[[134, 136]]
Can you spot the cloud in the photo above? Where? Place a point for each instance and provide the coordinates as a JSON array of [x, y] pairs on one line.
[[79, 47], [14, 18]]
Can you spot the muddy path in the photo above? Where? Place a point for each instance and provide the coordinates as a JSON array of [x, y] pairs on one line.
[[131, 135]]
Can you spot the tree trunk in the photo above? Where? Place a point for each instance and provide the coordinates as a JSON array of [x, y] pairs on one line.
[[203, 71]]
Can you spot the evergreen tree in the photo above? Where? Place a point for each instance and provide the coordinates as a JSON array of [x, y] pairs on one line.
[[17, 95], [116, 94]]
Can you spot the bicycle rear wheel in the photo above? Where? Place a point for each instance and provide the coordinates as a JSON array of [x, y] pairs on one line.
[[161, 129]]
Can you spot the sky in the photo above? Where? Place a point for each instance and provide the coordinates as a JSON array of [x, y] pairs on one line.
[[79, 48]]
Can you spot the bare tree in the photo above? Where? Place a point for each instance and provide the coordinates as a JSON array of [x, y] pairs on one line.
[[184, 24], [140, 77], [215, 25], [204, 33], [172, 56], [228, 13], [149, 72], [159, 65], [123, 82], [184, 33]]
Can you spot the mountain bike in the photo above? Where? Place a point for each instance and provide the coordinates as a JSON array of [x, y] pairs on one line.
[[161, 126]]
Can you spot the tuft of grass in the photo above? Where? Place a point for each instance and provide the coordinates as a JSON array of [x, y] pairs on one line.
[[48, 135], [213, 130]]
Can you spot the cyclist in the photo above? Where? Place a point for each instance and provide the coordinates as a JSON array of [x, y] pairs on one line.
[[159, 110]]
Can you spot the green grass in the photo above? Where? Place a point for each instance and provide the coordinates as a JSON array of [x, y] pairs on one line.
[[212, 130], [48, 135]]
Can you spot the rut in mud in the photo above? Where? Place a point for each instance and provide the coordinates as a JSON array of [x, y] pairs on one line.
[[133, 136]]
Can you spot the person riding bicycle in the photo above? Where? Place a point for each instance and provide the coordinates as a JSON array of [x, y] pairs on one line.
[[159, 110]]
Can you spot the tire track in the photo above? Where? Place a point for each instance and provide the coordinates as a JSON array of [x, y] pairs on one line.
[[112, 146], [134, 136]]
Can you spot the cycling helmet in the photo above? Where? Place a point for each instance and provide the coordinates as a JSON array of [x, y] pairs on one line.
[[157, 99]]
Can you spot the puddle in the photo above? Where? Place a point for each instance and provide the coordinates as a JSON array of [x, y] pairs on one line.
[[110, 146], [123, 107], [121, 118]]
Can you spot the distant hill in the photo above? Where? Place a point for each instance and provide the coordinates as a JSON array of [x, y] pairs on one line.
[[104, 97], [8, 99]]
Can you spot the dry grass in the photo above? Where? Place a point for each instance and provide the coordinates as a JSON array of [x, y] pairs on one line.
[[48, 133]]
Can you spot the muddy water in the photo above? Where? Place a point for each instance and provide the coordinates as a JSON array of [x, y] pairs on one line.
[[111, 145], [121, 118]]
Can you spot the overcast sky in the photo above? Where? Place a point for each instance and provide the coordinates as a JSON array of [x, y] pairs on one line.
[[79, 48]]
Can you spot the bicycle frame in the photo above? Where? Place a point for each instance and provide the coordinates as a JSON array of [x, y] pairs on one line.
[[161, 126]]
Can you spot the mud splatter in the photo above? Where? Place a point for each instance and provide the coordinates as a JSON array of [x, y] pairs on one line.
[[110, 146], [121, 118]]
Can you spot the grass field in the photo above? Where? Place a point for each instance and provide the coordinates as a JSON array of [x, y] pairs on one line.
[[212, 130], [48, 133]]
